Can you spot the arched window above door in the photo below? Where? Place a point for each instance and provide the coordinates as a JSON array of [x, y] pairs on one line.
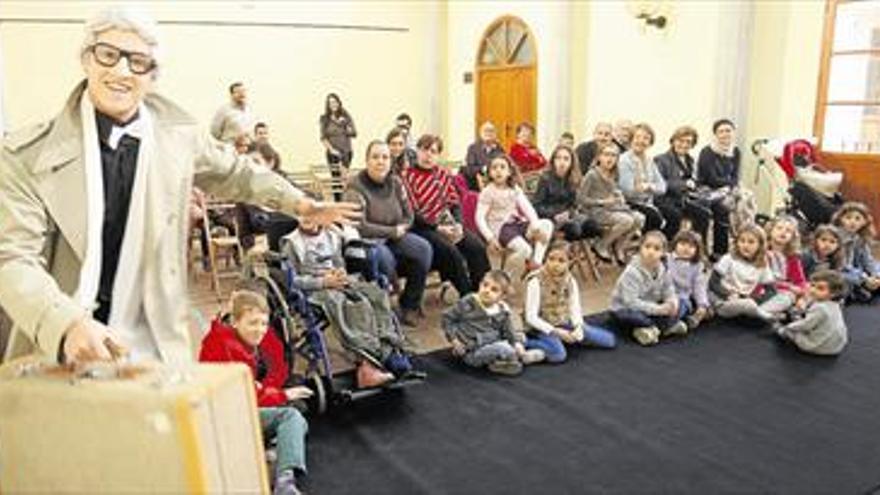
[[507, 42]]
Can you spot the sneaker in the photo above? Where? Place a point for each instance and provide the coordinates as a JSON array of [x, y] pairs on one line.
[[680, 328], [285, 483], [505, 367], [692, 322], [646, 335], [532, 356], [369, 376]]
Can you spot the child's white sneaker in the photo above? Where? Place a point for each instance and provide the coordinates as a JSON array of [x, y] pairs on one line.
[[680, 328], [532, 356], [646, 335]]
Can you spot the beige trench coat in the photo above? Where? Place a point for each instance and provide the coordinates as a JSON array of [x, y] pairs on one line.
[[42, 210]]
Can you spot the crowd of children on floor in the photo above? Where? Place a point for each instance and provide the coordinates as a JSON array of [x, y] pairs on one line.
[[667, 287]]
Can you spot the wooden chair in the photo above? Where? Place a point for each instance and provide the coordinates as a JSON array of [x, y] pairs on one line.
[[582, 258], [328, 185], [225, 245]]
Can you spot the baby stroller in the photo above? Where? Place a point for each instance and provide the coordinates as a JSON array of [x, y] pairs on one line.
[[812, 191], [301, 326]]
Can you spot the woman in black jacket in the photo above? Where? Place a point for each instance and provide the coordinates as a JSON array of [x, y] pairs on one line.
[[680, 201], [555, 196], [718, 170]]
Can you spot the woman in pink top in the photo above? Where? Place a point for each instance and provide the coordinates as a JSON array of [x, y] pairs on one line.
[[506, 218]]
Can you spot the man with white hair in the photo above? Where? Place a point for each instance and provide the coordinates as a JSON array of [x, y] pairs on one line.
[[93, 207]]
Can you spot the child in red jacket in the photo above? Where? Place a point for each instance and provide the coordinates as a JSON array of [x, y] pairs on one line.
[[247, 341]]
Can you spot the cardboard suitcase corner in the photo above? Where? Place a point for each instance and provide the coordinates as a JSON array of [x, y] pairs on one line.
[[192, 429]]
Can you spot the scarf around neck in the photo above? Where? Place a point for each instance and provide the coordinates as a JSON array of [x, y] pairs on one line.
[[126, 307]]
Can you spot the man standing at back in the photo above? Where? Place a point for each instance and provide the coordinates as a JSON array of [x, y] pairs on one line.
[[233, 118]]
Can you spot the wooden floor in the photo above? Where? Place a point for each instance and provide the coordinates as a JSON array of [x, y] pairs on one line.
[[427, 337]]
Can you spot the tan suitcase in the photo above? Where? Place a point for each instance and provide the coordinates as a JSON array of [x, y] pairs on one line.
[[118, 428]]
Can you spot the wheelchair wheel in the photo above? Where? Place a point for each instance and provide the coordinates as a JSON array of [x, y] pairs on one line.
[[318, 402]]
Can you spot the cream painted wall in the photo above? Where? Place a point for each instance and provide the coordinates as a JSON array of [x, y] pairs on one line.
[[784, 80], [594, 63], [287, 70], [666, 78]]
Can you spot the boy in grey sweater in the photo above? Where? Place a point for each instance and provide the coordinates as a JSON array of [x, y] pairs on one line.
[[644, 301], [822, 330], [481, 330]]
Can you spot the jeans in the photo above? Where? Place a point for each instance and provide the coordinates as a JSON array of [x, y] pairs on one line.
[[489, 353], [554, 348], [463, 264], [414, 255], [629, 319], [289, 428]]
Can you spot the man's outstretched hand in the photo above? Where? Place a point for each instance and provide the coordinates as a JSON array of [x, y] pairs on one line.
[[325, 213]]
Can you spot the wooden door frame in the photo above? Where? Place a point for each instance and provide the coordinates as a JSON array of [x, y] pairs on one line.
[[854, 165], [822, 89], [478, 68]]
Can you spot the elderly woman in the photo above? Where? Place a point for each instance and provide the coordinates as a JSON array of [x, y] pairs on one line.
[[387, 220], [479, 154], [459, 255], [102, 192], [639, 178], [718, 171], [677, 168], [586, 152]]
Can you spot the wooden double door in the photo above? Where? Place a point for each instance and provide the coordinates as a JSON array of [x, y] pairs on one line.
[[506, 78]]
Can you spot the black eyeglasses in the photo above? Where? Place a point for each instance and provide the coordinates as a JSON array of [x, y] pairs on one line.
[[109, 55]]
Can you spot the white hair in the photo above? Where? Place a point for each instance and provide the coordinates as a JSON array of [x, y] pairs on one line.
[[124, 18]]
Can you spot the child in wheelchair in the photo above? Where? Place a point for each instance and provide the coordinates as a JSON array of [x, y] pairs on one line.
[[356, 306]]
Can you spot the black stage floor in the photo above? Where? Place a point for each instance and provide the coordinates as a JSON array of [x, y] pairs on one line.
[[726, 410]]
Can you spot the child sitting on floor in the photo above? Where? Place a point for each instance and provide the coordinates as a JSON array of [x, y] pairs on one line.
[[741, 283], [359, 311], [506, 218], [857, 227], [822, 330], [481, 331], [553, 309], [687, 271], [644, 301], [784, 260], [245, 337]]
